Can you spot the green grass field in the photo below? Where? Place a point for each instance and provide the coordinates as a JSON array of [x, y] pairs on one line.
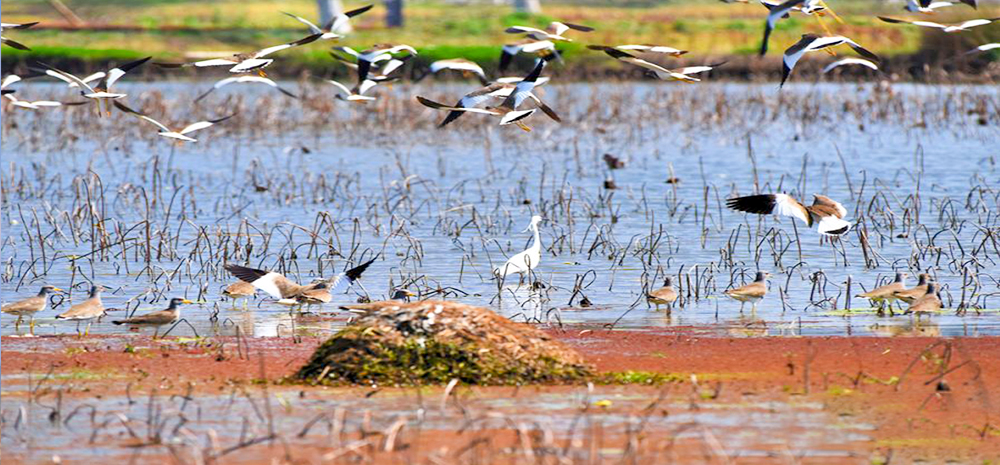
[[170, 28]]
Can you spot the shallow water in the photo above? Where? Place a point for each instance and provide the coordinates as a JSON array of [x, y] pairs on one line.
[[386, 182], [115, 426]]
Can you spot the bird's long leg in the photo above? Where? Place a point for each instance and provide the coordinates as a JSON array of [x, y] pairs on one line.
[[31, 325], [523, 126], [78, 328], [17, 324], [832, 13], [87, 331], [262, 73], [825, 29]]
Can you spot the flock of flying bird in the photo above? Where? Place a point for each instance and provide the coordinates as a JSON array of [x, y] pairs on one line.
[[502, 98]]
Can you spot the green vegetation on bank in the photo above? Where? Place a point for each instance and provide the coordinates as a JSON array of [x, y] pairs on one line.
[[170, 29]]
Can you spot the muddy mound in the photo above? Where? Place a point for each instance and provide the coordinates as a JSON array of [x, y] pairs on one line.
[[434, 342]]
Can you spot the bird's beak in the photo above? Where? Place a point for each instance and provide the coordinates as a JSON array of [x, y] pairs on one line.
[[185, 301], [410, 293], [56, 289]]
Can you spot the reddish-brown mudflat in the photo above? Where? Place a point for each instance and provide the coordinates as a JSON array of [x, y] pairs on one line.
[[925, 398]]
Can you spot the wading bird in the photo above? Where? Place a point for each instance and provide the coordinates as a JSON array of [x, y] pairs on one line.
[[102, 90], [507, 111], [554, 31], [525, 261], [883, 295], [87, 310], [665, 295], [680, 74], [244, 80], [915, 292], [331, 29], [827, 214], [239, 290], [752, 292], [814, 43], [11, 43], [245, 62], [960, 27], [927, 303], [158, 318], [29, 307], [286, 290], [180, 135]]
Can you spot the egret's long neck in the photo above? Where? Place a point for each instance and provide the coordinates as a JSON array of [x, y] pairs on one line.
[[538, 239]]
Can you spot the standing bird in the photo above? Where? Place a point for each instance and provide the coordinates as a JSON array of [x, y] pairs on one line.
[[402, 294], [927, 303], [245, 62], [29, 307], [752, 292], [158, 318], [11, 43], [813, 43], [239, 290], [87, 310], [915, 292], [826, 213], [331, 29], [886, 294], [280, 287], [665, 295], [525, 261]]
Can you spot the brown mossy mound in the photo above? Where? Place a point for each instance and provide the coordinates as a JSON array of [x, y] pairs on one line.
[[432, 342]]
